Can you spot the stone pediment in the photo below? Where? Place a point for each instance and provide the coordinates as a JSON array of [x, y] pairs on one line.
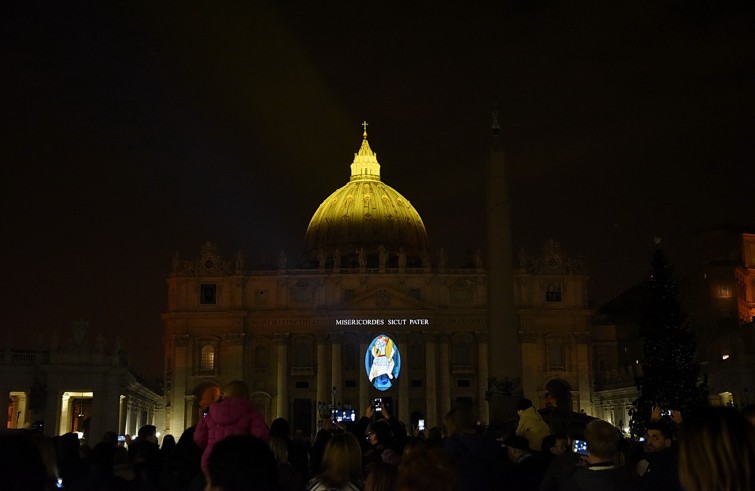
[[385, 298]]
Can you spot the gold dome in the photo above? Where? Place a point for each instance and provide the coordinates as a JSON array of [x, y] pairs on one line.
[[365, 213]]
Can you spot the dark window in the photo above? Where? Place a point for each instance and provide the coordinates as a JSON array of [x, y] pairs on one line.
[[261, 360], [350, 356], [351, 384], [462, 354], [555, 355], [208, 294], [416, 384], [553, 294], [302, 384], [462, 383]]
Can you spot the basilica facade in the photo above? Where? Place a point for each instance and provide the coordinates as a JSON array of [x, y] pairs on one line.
[[308, 338]]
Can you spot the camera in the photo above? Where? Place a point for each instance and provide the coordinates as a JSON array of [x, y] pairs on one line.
[[666, 412], [121, 438], [421, 425], [579, 447], [377, 402]]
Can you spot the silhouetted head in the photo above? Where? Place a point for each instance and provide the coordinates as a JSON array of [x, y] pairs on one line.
[[241, 462]]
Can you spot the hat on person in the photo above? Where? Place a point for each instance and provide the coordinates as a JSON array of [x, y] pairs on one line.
[[517, 442]]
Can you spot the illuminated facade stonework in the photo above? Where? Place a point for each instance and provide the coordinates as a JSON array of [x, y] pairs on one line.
[[299, 336]]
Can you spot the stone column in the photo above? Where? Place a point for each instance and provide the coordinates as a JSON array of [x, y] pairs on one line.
[[483, 374], [582, 340], [335, 364], [52, 410], [323, 390], [281, 398], [128, 422], [532, 349], [122, 415], [403, 385], [189, 410], [65, 415], [444, 387], [232, 357], [4, 396], [182, 366], [364, 383], [431, 389], [22, 409]]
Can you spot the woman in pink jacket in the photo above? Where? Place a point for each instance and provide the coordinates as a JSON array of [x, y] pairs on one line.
[[233, 415]]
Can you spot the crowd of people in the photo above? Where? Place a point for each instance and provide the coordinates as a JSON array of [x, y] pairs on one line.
[[232, 448]]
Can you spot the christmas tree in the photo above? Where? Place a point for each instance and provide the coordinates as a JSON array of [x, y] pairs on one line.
[[669, 371]]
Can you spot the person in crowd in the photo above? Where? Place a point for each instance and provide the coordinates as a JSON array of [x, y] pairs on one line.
[[382, 437], [169, 443], [381, 476], [563, 466], [476, 456], [296, 450], [434, 436], [525, 470], [602, 471], [240, 463], [21, 464], [659, 470], [341, 465], [288, 478], [110, 437], [428, 468], [182, 470], [71, 466], [327, 430], [531, 425], [552, 446], [144, 453], [717, 451], [233, 415]]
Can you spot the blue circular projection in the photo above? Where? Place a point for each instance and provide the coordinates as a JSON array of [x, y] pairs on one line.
[[382, 362]]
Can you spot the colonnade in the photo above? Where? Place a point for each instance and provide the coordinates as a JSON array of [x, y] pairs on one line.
[[437, 382]]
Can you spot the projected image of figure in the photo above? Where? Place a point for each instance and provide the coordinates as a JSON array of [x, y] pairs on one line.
[[382, 362]]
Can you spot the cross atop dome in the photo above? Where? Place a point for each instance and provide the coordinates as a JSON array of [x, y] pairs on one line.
[[364, 125]]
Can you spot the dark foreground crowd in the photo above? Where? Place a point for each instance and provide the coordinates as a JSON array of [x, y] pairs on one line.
[[232, 449]]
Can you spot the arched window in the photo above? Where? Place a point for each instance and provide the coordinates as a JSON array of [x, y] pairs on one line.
[[207, 358]]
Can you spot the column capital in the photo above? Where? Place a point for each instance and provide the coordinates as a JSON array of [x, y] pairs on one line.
[[321, 338], [582, 337], [529, 337], [482, 337], [180, 340], [235, 339], [335, 337], [431, 336], [281, 338]]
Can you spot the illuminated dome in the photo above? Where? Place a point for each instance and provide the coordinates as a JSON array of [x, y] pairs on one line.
[[366, 213]]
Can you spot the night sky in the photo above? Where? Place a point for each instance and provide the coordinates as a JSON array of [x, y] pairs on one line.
[[134, 131]]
